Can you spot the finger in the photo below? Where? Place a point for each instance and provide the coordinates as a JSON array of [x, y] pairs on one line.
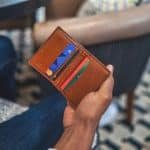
[[111, 69], [68, 116], [107, 87]]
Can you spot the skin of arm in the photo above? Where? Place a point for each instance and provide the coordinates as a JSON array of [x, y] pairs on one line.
[[100, 28], [63, 8]]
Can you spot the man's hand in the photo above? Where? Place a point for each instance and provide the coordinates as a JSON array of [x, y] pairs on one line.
[[80, 124]]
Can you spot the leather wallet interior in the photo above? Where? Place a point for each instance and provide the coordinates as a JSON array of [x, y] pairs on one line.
[[69, 66]]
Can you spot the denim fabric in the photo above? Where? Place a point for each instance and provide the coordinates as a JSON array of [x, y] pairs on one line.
[[7, 68], [37, 129]]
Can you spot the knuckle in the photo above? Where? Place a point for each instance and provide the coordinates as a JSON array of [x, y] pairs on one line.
[[91, 117], [91, 95], [112, 79], [107, 96]]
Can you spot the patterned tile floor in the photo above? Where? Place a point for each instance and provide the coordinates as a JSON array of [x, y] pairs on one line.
[[120, 135], [115, 136]]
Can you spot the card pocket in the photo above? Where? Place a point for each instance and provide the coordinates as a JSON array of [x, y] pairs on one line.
[[88, 81], [61, 59], [66, 72], [75, 74]]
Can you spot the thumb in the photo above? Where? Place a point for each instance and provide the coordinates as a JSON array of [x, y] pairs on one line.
[[105, 91], [68, 116], [107, 86]]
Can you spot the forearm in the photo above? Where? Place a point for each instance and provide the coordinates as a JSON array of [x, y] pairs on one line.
[[101, 28], [77, 137]]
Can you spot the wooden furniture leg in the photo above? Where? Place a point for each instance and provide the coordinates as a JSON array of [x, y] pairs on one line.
[[129, 107]]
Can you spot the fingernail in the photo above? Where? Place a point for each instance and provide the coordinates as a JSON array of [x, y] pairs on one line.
[[110, 68]]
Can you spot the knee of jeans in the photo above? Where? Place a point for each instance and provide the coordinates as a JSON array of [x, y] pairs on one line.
[[7, 50]]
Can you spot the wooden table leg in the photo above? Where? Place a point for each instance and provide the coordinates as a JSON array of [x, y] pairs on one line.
[[129, 107]]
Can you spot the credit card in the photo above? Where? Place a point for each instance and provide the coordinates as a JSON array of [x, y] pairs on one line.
[[57, 73], [75, 75], [60, 60]]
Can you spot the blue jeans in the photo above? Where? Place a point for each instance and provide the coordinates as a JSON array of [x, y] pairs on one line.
[[36, 129], [7, 68]]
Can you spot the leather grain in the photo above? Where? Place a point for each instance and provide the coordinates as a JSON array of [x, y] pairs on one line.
[[89, 81]]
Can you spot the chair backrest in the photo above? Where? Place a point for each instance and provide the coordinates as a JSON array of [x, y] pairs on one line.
[[129, 58]]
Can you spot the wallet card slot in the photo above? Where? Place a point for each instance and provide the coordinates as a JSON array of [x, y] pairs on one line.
[[84, 84], [69, 68], [54, 77], [75, 75], [61, 59]]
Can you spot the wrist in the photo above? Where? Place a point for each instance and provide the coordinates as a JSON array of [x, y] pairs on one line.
[[88, 123], [72, 136], [85, 125]]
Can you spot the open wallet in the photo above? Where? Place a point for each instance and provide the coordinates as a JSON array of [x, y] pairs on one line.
[[69, 66]]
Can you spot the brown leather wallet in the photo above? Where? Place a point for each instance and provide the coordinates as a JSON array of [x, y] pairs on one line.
[[69, 67]]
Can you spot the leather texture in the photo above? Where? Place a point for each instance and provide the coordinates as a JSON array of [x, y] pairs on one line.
[[89, 80]]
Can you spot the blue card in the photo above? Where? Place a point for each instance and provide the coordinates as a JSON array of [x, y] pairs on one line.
[[63, 57]]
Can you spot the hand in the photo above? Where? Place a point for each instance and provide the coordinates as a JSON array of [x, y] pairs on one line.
[[80, 124]]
